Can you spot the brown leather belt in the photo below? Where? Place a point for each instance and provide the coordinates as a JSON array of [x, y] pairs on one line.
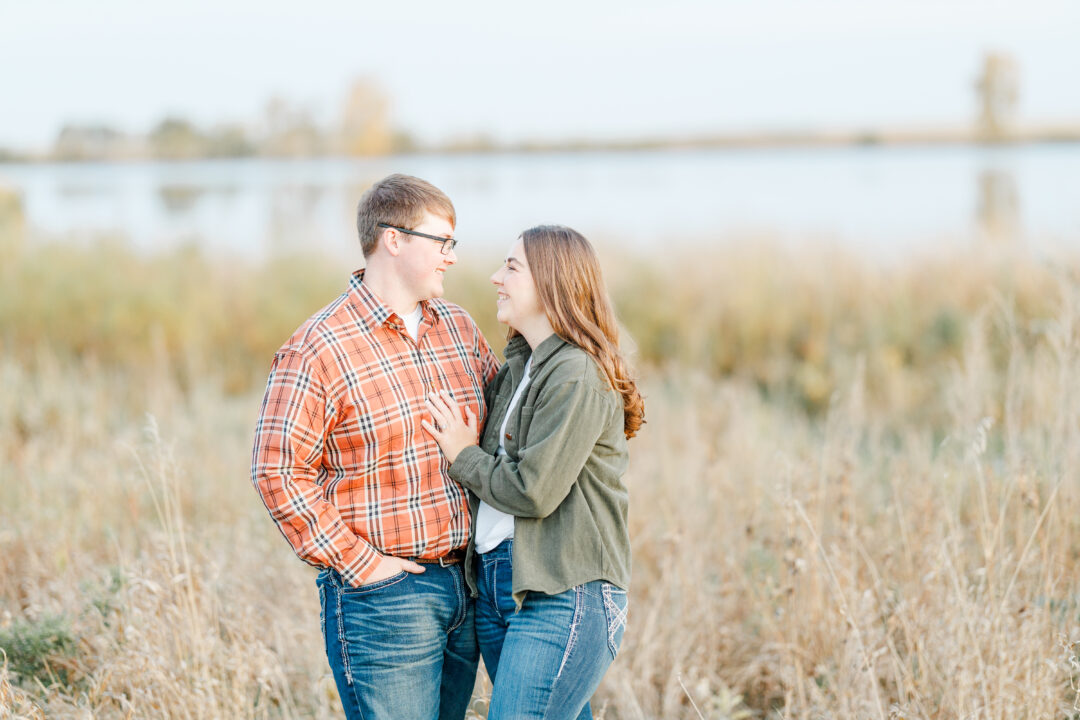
[[451, 558]]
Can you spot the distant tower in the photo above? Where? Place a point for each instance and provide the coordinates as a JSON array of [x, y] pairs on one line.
[[998, 88]]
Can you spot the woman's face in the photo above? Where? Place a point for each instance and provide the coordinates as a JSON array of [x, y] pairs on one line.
[[517, 299]]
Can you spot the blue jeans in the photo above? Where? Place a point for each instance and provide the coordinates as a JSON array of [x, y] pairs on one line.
[[546, 659], [403, 647]]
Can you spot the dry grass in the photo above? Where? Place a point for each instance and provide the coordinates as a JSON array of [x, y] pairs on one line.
[[792, 324], [849, 571], [905, 547]]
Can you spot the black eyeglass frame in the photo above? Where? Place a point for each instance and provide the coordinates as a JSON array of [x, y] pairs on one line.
[[448, 244]]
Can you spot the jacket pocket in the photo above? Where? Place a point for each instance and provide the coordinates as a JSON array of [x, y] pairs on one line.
[[515, 434]]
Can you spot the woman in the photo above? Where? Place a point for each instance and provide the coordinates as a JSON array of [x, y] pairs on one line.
[[551, 552]]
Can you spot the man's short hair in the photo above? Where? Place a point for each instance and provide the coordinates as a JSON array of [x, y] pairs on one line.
[[402, 201]]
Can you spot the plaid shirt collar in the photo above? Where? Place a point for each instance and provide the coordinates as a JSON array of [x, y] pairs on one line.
[[375, 314]]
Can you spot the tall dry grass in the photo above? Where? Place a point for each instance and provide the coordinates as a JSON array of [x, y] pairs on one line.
[[904, 547], [790, 323], [858, 569]]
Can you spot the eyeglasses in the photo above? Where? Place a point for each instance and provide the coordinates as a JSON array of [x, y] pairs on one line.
[[448, 244]]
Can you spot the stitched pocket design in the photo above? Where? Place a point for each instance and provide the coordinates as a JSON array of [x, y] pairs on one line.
[[378, 585], [616, 606]]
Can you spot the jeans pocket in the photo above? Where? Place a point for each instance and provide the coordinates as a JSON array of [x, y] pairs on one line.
[[377, 585], [322, 609], [503, 585], [616, 606]]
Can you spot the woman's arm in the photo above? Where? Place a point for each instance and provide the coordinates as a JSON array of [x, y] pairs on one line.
[[567, 421]]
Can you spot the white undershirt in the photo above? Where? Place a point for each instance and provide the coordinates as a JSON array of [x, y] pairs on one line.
[[493, 526], [412, 321]]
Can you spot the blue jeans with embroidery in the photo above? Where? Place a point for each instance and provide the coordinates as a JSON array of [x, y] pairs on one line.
[[546, 659], [402, 648]]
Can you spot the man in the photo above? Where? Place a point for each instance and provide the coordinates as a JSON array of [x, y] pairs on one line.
[[355, 484]]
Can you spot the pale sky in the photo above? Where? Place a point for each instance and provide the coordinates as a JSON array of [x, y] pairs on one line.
[[593, 69]]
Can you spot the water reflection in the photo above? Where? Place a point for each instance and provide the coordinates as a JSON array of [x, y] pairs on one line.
[[295, 213], [180, 199], [878, 200], [77, 190], [12, 224], [998, 212]]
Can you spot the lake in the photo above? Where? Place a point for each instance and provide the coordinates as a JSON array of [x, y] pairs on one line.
[[884, 201]]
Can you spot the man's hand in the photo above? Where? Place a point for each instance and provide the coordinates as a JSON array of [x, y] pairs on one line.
[[390, 566], [453, 433]]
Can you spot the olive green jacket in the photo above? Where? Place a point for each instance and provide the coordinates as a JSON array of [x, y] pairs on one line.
[[562, 476]]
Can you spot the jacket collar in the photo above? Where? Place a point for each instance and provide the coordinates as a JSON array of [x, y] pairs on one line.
[[518, 350]]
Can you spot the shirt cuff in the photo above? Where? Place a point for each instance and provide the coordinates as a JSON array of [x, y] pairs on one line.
[[465, 464], [358, 562]]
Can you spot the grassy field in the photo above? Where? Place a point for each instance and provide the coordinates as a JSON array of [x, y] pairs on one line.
[[856, 495]]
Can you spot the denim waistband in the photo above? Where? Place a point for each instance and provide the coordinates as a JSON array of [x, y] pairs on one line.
[[504, 548]]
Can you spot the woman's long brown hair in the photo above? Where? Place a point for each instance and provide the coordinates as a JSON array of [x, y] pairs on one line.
[[567, 275]]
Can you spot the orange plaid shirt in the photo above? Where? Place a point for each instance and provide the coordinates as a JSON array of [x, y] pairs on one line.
[[340, 459]]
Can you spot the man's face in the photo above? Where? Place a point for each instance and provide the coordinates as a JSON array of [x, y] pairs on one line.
[[422, 261]]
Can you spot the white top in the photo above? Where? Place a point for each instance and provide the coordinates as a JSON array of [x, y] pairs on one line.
[[412, 321], [493, 526]]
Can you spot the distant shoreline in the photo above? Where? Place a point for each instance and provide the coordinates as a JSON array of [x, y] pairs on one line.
[[894, 137], [796, 138]]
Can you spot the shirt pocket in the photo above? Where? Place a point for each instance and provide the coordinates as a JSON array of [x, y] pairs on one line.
[[517, 430]]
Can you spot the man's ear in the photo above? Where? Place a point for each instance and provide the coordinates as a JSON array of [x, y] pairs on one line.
[[391, 239]]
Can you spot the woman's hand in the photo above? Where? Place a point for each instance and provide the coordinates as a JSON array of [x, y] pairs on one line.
[[450, 430]]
